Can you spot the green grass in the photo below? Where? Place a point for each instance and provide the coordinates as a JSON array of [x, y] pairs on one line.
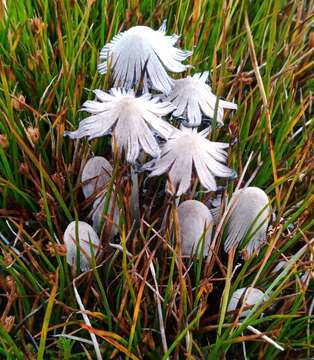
[[52, 62]]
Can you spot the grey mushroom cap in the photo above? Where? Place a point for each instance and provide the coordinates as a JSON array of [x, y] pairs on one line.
[[87, 237], [249, 296], [193, 99], [97, 214], [95, 175], [196, 224], [305, 277], [279, 266], [249, 214], [185, 149], [142, 48]]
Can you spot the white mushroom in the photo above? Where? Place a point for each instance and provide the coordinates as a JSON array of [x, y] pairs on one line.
[[280, 266], [97, 214], [185, 149], [249, 297], [248, 217], [305, 276], [193, 98], [87, 238], [143, 51], [95, 175], [132, 120], [196, 223]]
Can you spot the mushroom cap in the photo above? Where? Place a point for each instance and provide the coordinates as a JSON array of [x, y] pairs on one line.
[[249, 297], [194, 219], [134, 121], [187, 149], [305, 277], [97, 213], [249, 215], [142, 48], [279, 266], [87, 237], [194, 99], [95, 175]]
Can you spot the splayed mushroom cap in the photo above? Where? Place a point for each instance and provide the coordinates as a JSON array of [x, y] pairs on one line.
[[95, 175], [248, 216], [196, 225], [193, 99], [87, 237], [132, 120], [186, 149], [248, 296], [143, 52]]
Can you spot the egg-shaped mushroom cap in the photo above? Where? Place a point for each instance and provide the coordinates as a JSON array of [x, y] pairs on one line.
[[249, 215], [279, 266], [95, 175], [307, 277], [87, 237], [196, 223], [97, 214], [249, 297]]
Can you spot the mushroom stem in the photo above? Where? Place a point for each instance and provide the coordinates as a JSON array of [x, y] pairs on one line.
[[244, 348], [135, 200]]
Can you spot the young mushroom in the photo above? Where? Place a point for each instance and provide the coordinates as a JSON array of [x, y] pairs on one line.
[[143, 53], [279, 266], [97, 214], [248, 297], [248, 217], [214, 205], [81, 234], [133, 121], [196, 224], [95, 175], [185, 149], [193, 98]]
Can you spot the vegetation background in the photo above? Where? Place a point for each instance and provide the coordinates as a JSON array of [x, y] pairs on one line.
[[259, 53]]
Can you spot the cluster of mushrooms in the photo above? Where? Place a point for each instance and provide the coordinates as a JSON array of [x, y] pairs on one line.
[[139, 60]]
